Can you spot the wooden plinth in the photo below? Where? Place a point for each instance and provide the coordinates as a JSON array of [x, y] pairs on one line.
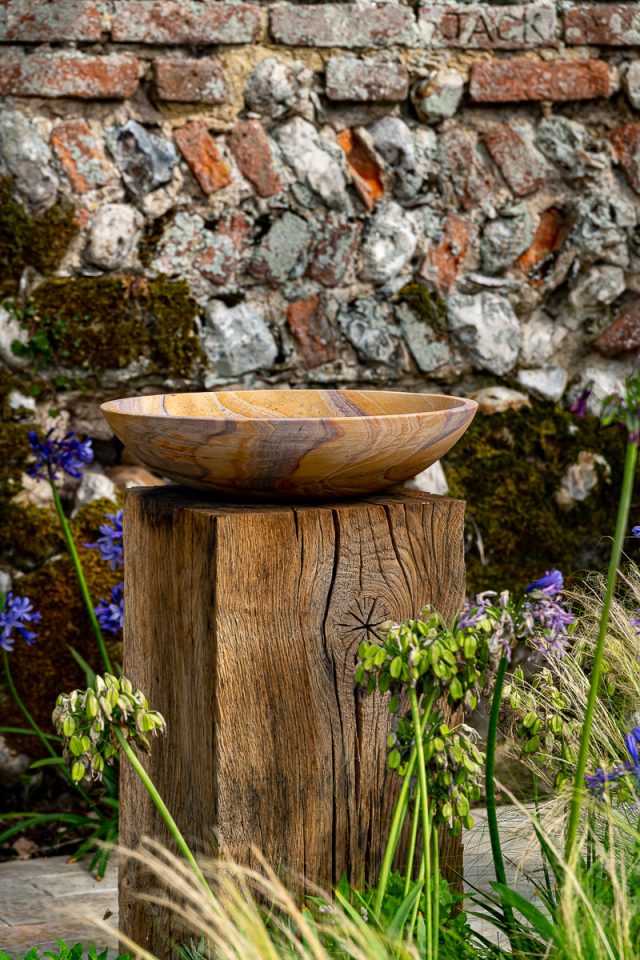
[[242, 626]]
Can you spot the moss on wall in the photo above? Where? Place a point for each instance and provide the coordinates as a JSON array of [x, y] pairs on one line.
[[46, 668], [25, 241], [508, 467], [96, 323]]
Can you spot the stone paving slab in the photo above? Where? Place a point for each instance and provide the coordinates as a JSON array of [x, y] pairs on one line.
[[48, 898]]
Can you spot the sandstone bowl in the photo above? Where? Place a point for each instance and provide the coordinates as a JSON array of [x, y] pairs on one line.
[[289, 444]]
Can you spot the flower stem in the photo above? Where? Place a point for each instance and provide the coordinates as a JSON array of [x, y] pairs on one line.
[[162, 808], [426, 824], [490, 788], [399, 814], [412, 842], [84, 589], [596, 670], [436, 889], [13, 690]]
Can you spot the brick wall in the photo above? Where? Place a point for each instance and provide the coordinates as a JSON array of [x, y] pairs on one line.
[[438, 196]]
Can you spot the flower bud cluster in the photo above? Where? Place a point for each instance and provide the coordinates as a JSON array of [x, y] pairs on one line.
[[87, 720]]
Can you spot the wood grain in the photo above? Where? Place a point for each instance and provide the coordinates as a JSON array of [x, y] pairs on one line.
[[287, 444], [242, 626]]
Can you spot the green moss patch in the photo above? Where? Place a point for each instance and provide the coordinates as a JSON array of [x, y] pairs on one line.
[[508, 467]]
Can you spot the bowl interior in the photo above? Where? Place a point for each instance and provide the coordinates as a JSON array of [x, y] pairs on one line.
[[284, 404]]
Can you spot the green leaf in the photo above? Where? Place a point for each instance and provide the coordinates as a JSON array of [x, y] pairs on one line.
[[538, 920], [400, 917], [47, 762]]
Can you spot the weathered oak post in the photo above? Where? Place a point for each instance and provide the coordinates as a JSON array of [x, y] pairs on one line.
[[243, 623]]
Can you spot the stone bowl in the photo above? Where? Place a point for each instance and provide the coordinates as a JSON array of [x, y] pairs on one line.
[[288, 444]]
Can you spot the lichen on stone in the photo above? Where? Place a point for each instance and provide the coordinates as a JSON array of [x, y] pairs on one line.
[[40, 241]]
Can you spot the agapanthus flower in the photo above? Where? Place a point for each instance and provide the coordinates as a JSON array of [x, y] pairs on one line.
[[580, 404], [474, 613], [625, 777], [551, 584], [16, 614], [67, 453], [636, 623], [596, 783], [635, 531], [552, 619], [110, 613], [110, 542]]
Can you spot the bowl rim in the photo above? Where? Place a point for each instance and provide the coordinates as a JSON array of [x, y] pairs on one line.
[[461, 403]]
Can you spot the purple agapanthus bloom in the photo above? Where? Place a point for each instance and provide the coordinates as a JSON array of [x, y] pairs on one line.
[[597, 782], [110, 613], [474, 613], [110, 542], [635, 531], [636, 623], [554, 619], [53, 454], [17, 612], [551, 584], [579, 405]]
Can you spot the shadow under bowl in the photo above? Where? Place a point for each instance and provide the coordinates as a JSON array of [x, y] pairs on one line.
[[290, 444]]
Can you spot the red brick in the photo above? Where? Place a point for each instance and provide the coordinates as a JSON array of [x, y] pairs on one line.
[[509, 81], [46, 20], [550, 234], [515, 158], [172, 22], [336, 245], [69, 74], [470, 177], [444, 259], [366, 80], [312, 332], [488, 27], [626, 142], [611, 24], [220, 262], [190, 81], [80, 155], [623, 335], [341, 25], [251, 148], [363, 166], [203, 156]]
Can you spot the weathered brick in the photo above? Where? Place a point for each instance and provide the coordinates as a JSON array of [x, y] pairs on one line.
[[203, 156], [519, 162], [47, 20], [444, 259], [172, 22], [505, 81], [312, 332], [367, 80], [80, 155], [190, 81], [626, 143], [252, 151], [223, 256], [462, 162], [550, 234], [335, 247], [611, 24], [363, 166], [69, 74], [487, 27], [624, 333], [342, 25]]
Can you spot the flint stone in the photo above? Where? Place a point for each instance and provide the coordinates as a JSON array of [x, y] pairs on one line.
[[601, 221], [11, 331], [273, 87], [181, 240], [548, 383], [438, 97], [283, 253], [18, 401], [145, 160], [497, 399], [409, 155], [604, 377], [570, 146], [506, 238], [28, 158], [94, 486], [487, 330], [114, 233], [365, 324], [429, 351], [236, 340], [601, 285], [431, 480], [631, 83], [581, 478], [318, 165], [540, 337], [389, 244]]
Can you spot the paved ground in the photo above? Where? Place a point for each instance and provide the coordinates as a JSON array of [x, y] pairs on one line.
[[43, 899]]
